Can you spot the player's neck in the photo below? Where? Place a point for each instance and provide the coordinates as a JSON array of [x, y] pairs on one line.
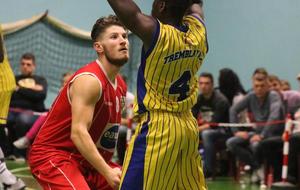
[[110, 69], [171, 21]]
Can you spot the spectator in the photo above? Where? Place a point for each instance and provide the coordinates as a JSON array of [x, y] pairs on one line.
[[291, 98], [295, 150], [230, 85], [274, 83], [285, 85], [264, 106], [211, 106], [298, 78], [26, 140], [29, 96], [272, 151], [272, 147]]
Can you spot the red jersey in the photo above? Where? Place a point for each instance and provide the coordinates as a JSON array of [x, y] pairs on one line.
[[55, 134]]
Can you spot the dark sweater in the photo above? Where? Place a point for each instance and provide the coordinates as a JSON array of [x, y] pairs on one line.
[[213, 109], [26, 98]]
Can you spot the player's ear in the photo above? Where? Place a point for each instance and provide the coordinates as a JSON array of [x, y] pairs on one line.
[[162, 6], [98, 47]]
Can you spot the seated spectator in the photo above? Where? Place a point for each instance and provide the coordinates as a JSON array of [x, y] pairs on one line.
[[272, 147], [230, 85], [294, 148], [272, 150], [285, 85], [26, 140], [211, 106], [29, 96], [291, 98], [298, 78], [264, 106]]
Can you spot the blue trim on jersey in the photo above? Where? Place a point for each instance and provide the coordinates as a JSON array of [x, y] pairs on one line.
[[153, 41], [182, 28], [207, 47], [141, 88], [134, 177]]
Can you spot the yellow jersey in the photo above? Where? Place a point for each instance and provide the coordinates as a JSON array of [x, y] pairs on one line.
[[7, 85], [167, 75], [7, 78]]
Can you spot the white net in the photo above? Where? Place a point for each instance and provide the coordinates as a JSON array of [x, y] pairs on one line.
[[58, 52]]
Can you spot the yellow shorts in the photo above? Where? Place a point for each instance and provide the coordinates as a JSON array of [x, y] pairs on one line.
[[163, 154], [4, 106]]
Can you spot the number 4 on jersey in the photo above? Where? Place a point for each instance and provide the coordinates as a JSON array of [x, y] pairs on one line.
[[181, 86]]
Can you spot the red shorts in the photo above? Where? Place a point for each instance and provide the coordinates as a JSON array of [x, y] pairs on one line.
[[63, 172]]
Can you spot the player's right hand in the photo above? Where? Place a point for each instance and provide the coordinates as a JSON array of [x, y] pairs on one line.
[[114, 177]]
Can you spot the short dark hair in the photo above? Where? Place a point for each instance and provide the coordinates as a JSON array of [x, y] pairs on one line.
[[207, 75], [103, 23], [177, 8], [262, 72], [28, 56], [272, 78]]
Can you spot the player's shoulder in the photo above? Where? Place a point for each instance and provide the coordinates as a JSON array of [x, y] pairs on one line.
[[91, 68], [88, 67], [121, 85], [193, 19]]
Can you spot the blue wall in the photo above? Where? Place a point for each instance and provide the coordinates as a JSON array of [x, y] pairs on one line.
[[245, 34]]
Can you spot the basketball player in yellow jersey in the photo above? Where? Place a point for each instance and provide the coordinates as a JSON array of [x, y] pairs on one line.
[[7, 86], [163, 153], [7, 82]]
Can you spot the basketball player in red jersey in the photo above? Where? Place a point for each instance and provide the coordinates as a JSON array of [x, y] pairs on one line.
[[74, 147]]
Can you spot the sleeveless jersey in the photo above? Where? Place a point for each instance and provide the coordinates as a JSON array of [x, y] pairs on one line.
[[55, 133], [7, 85], [167, 75], [7, 78]]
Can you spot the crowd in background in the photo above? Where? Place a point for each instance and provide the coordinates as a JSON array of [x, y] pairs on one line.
[[269, 100], [267, 103]]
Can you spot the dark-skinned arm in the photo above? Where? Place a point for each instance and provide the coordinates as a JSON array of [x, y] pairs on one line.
[[1, 49], [131, 16]]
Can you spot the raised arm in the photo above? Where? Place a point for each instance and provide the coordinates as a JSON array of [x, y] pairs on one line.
[[1, 48], [131, 16], [84, 96], [196, 8]]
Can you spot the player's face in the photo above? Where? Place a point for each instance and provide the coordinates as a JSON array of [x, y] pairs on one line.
[[115, 45], [260, 88], [205, 85], [27, 67]]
